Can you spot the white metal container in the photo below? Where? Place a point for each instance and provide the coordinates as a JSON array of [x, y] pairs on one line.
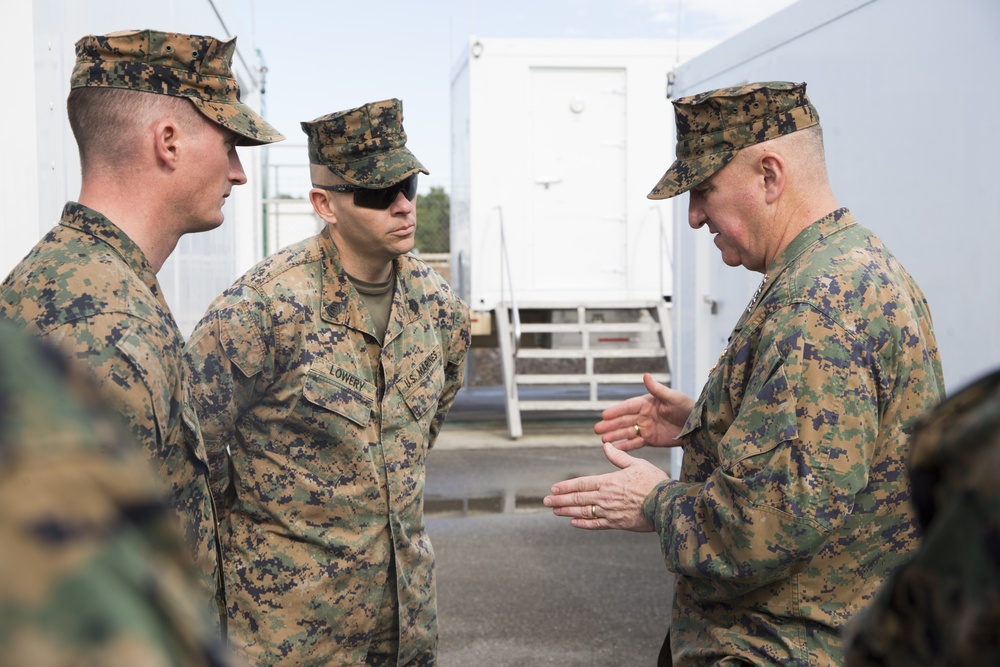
[[907, 92], [555, 144]]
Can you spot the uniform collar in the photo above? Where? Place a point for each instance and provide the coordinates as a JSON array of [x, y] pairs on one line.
[[341, 303], [88, 221], [826, 226]]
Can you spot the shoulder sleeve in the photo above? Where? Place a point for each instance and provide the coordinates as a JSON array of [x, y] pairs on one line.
[[797, 452], [458, 341], [230, 362], [126, 360]]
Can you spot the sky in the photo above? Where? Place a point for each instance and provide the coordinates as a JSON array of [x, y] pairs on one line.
[[329, 55]]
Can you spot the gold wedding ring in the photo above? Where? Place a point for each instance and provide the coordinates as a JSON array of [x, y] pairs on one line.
[[638, 432], [593, 511]]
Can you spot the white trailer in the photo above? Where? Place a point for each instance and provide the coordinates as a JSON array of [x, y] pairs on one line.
[[42, 169], [555, 144], [906, 91]]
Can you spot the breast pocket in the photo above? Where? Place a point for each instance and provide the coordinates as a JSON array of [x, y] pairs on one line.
[[745, 411], [340, 393], [765, 419], [421, 385]]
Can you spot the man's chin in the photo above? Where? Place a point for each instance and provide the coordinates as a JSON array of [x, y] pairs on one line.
[[731, 259], [406, 246], [207, 225]]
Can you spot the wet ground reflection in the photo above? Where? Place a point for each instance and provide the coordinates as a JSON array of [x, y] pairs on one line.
[[500, 502]]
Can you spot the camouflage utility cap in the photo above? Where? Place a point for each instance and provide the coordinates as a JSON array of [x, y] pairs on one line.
[[713, 126], [174, 64], [364, 146]]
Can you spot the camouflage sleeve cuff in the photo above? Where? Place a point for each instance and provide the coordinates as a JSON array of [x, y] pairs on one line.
[[661, 494]]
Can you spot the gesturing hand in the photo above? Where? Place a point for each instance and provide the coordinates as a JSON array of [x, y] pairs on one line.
[[654, 419], [613, 500]]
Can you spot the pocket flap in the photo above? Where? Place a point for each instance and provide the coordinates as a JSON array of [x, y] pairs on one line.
[[241, 339], [353, 400], [421, 386]]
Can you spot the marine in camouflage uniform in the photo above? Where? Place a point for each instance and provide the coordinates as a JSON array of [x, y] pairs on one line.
[[89, 288], [318, 416], [92, 567], [792, 505], [942, 607]]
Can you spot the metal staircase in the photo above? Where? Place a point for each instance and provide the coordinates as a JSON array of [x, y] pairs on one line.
[[592, 332]]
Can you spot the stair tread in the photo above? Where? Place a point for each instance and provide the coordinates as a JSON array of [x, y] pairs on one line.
[[583, 378], [576, 327], [596, 353], [563, 404], [590, 305]]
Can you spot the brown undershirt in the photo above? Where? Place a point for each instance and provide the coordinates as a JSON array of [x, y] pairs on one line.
[[378, 300]]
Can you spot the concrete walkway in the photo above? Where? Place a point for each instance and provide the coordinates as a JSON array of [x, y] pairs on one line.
[[518, 586], [493, 435]]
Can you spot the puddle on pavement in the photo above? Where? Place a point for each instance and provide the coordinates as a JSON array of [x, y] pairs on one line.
[[498, 503]]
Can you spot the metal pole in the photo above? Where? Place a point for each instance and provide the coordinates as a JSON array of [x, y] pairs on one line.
[[265, 158]]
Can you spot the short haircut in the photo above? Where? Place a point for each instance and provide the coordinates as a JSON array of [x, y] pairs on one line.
[[812, 137], [803, 147], [808, 146], [107, 122]]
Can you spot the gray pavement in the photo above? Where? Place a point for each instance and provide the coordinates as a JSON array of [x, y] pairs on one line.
[[516, 584], [478, 419]]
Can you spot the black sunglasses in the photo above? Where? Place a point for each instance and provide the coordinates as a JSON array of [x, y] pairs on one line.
[[377, 198]]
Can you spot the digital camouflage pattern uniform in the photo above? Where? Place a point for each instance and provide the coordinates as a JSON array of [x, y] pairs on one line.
[[328, 430], [792, 506], [92, 567], [87, 287], [942, 607]]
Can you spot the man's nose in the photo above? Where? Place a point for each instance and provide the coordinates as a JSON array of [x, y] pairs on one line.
[[696, 214], [402, 204], [236, 173]]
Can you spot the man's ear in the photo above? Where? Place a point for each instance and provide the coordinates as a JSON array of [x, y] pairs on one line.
[[772, 166], [165, 142], [321, 204]]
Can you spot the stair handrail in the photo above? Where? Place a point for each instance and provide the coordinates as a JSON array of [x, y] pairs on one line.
[[505, 259], [666, 253]]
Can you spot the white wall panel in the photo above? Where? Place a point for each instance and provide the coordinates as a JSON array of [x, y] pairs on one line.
[[907, 92]]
